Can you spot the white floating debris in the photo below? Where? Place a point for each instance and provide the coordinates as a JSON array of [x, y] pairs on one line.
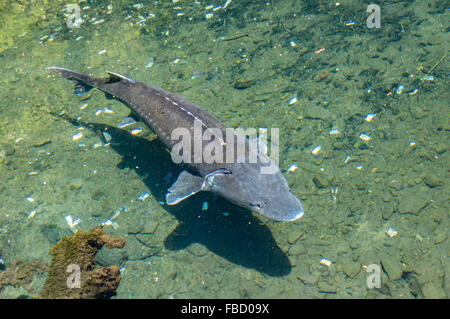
[[369, 117], [176, 60], [209, 15], [126, 122], [316, 150], [412, 143], [83, 106], [359, 167], [107, 136], [31, 214], [106, 223], [400, 89], [427, 78], [30, 199], [102, 51], [293, 44], [97, 145], [350, 23], [292, 168], [334, 131], [179, 14], [226, 4], [293, 100], [391, 232], [98, 112], [98, 21], [136, 131], [71, 222], [205, 206], [209, 7], [325, 262], [364, 137], [413, 92], [149, 64], [116, 214], [110, 223], [108, 111], [77, 136], [138, 6], [143, 196], [17, 140]]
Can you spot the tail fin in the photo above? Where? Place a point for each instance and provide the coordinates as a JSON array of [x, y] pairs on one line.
[[83, 82]]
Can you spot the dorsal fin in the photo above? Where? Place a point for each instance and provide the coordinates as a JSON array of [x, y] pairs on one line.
[[115, 77]]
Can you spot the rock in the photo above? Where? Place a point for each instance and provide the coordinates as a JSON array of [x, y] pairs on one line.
[[441, 147], [432, 180], [351, 268], [433, 290], [308, 278], [150, 226], [8, 150], [412, 203], [326, 287], [110, 257], [396, 183], [140, 248], [54, 233], [321, 181], [98, 194], [197, 250], [387, 213], [293, 236], [316, 112], [243, 84], [392, 266], [297, 249], [447, 275], [76, 184]]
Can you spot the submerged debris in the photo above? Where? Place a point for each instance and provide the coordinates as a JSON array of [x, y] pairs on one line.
[[77, 252], [21, 273]]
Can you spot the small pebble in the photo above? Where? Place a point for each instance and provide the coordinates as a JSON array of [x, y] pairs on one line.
[[364, 137], [292, 101], [391, 232], [325, 262], [136, 131], [143, 196], [316, 150]]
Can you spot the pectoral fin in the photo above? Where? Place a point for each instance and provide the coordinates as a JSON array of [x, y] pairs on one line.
[[185, 186]]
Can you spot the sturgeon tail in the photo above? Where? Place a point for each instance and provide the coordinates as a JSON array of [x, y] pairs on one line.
[[84, 83]]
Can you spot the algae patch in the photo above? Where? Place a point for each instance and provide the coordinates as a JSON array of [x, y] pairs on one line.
[[80, 249], [21, 273]]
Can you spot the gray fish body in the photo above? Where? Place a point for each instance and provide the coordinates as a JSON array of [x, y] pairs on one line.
[[236, 180]]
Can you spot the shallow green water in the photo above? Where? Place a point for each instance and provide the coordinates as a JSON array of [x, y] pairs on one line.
[[354, 189]]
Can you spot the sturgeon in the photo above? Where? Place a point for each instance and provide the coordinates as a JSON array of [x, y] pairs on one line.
[[181, 125]]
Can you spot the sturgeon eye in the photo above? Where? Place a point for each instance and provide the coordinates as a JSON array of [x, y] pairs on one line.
[[257, 206]]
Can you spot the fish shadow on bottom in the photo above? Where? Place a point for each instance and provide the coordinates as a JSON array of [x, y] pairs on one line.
[[238, 237]]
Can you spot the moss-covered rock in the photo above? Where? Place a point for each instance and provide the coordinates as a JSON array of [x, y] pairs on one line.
[[80, 249], [20, 274]]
